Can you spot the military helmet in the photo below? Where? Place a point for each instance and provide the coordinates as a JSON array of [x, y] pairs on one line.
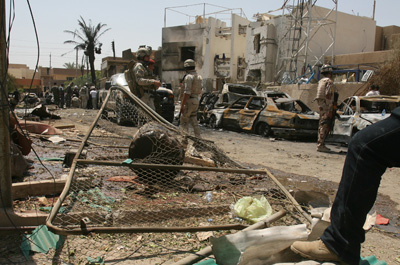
[[326, 68], [142, 52], [189, 63]]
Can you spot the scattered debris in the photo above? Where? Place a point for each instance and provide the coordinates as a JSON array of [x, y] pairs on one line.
[[41, 240], [253, 209]]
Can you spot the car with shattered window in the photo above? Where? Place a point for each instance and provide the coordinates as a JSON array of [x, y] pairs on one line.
[[357, 112], [215, 99], [267, 116], [164, 100]]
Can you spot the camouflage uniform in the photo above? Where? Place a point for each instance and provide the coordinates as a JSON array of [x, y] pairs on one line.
[[325, 100], [144, 84], [193, 84]]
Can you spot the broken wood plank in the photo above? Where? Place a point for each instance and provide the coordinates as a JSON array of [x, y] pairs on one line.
[[39, 188], [198, 161]]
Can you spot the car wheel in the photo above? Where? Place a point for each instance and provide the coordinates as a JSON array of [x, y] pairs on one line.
[[263, 129], [213, 122]]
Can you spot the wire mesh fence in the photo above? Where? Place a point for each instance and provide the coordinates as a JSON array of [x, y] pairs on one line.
[[138, 188], [148, 176]]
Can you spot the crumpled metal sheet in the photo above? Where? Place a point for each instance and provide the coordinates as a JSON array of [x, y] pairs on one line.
[[262, 244]]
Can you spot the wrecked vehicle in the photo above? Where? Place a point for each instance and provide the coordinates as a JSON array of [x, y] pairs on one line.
[[208, 101], [358, 112], [164, 100], [229, 93], [267, 116]]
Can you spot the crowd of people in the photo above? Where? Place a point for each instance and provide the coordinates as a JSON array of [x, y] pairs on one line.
[[72, 96]]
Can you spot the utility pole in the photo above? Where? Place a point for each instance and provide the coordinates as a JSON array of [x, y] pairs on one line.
[[76, 65], [5, 154], [8, 219], [373, 10]]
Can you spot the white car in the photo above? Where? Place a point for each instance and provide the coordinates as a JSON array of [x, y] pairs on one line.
[[358, 112]]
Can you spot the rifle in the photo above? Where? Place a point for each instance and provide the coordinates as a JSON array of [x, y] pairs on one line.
[[334, 114]]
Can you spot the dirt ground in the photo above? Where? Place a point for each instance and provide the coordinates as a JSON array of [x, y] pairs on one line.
[[298, 166]]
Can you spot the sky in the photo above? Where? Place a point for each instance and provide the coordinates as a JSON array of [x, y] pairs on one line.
[[133, 23]]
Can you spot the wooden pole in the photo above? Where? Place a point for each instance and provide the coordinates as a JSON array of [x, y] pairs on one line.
[[5, 155]]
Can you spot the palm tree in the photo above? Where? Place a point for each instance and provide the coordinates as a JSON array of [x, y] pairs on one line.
[[88, 40], [69, 65]]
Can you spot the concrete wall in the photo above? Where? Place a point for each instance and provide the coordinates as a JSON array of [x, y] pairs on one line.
[[217, 42], [371, 58], [238, 46], [21, 71], [354, 34], [173, 39], [307, 93], [264, 60]]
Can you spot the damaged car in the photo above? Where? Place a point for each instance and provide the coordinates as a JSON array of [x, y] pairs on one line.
[[357, 112], [267, 116], [215, 99]]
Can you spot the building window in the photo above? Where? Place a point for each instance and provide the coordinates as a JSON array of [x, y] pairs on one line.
[[257, 44], [187, 53], [70, 78]]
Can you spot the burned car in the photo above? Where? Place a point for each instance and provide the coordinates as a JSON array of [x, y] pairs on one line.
[[357, 112], [118, 103], [267, 116], [229, 93]]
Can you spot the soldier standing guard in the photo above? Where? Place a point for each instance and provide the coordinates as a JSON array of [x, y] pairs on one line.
[[326, 95], [140, 78], [193, 87]]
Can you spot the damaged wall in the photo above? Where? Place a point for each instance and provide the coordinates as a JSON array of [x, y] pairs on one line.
[[217, 45], [178, 44], [261, 50], [238, 48]]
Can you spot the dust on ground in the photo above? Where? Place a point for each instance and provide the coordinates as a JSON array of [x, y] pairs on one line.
[[296, 164]]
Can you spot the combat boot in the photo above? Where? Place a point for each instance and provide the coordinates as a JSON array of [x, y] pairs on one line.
[[323, 148], [314, 250]]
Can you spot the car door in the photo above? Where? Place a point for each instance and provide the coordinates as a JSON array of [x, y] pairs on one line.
[[232, 114], [250, 112], [343, 126]]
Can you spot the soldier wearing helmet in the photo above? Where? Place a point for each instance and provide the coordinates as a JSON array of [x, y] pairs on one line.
[[326, 98], [140, 79], [192, 89]]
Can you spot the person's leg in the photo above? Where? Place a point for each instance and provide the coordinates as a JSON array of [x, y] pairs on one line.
[[193, 105], [323, 130], [184, 122], [370, 152]]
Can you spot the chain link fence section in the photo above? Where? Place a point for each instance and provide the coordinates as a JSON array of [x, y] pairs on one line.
[[136, 172]]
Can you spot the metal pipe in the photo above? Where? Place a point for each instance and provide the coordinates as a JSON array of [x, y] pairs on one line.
[[168, 167]]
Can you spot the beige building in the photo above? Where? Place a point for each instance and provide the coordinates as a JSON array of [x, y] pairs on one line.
[[217, 49]]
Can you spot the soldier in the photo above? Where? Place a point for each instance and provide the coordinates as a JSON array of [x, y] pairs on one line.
[[62, 96], [84, 96], [326, 95], [56, 94], [141, 80], [193, 84], [68, 95]]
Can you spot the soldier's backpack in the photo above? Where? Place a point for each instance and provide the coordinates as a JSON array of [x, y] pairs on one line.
[[131, 79]]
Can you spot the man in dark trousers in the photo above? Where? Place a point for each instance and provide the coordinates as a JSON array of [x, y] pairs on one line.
[[371, 151]]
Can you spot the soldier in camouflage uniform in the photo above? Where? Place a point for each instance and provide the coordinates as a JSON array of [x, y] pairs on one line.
[[141, 81], [193, 86], [325, 99]]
